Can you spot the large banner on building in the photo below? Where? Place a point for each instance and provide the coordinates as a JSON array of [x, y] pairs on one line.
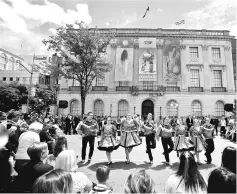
[[124, 64], [171, 60], [147, 64]]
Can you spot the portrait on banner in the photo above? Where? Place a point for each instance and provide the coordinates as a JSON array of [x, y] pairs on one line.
[[171, 60], [124, 64], [147, 65]]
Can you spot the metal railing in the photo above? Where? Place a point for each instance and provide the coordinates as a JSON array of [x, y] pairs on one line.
[[99, 88], [156, 88], [123, 88], [218, 89], [195, 89], [74, 88], [172, 89]]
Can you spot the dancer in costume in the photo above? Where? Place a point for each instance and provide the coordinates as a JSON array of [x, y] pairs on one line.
[[181, 142], [196, 135], [208, 132], [149, 131], [88, 130], [165, 131], [129, 135], [108, 141]]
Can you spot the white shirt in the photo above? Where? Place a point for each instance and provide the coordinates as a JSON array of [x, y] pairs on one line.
[[223, 123], [26, 140], [172, 186]]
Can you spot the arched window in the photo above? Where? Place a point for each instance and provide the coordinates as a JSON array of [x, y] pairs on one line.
[[75, 107], [11, 64], [172, 108], [122, 108], [196, 108], [3, 61], [99, 108], [219, 109]]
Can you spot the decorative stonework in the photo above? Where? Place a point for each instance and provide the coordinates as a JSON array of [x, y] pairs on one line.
[[218, 66], [216, 61], [136, 46], [226, 48], [182, 46], [204, 47], [114, 46], [194, 60], [159, 46], [200, 66]]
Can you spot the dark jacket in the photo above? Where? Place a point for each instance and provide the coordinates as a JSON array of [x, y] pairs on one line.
[[30, 172], [189, 122]]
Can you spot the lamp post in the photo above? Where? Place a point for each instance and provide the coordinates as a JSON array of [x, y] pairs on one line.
[[160, 113]]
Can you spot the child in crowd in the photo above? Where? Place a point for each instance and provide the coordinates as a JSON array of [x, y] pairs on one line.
[[102, 176]]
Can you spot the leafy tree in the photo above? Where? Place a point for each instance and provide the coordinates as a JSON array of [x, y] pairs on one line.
[[12, 96], [83, 51], [44, 97]]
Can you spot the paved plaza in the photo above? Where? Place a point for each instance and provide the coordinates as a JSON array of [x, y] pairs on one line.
[[139, 160]]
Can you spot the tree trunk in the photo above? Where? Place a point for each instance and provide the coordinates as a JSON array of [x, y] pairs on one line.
[[83, 99]]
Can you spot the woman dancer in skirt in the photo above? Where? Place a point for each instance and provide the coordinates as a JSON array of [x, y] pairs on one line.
[[181, 142], [129, 135], [196, 135], [208, 132], [165, 131], [108, 141]]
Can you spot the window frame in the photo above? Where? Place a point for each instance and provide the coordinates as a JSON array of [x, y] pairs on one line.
[[216, 55], [193, 52], [194, 108], [125, 109], [194, 81], [99, 111], [217, 81]]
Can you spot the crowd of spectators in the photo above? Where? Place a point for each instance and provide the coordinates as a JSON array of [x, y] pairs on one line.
[[34, 157]]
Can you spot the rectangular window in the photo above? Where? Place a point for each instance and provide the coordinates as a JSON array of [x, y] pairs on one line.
[[100, 81], [193, 52], [123, 83], [17, 79], [216, 53], [147, 85], [11, 79], [76, 82], [217, 74], [195, 78], [4, 78]]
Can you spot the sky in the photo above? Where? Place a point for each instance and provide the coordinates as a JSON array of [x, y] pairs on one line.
[[25, 23]]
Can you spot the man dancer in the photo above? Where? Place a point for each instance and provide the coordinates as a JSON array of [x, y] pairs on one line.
[[208, 131], [149, 132], [189, 122], [88, 130]]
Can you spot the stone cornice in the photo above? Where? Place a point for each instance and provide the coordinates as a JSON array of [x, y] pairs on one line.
[[217, 66], [195, 65], [162, 33]]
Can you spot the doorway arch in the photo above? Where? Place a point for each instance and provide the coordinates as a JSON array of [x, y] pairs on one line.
[[147, 107]]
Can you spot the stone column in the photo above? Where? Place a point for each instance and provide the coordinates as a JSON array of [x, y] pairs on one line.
[[184, 71], [229, 69], [159, 65], [111, 85], [136, 64], [206, 69]]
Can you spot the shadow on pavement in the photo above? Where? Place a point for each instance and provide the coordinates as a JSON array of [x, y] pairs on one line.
[[206, 166], [119, 165], [161, 167]]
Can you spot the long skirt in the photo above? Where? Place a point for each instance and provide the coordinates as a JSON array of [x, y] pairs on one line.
[[182, 143], [199, 143], [130, 139], [108, 143]]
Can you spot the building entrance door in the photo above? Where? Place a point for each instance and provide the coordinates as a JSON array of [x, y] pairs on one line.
[[147, 107]]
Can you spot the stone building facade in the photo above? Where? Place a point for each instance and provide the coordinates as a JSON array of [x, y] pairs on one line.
[[166, 72]]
